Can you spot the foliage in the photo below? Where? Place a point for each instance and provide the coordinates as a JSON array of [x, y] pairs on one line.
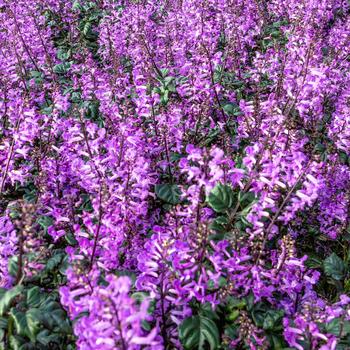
[[174, 175]]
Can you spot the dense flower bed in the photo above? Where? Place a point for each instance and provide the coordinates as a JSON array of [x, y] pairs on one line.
[[175, 174]]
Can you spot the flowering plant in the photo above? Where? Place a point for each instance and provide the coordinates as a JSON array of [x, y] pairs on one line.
[[174, 174]]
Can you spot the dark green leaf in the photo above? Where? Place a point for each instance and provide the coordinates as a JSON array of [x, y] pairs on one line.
[[334, 267], [3, 322], [221, 198], [277, 342], [336, 325], [333, 326], [272, 319], [77, 6], [313, 261], [207, 311], [33, 322], [234, 303], [69, 237], [45, 337], [168, 193], [16, 342], [87, 28], [165, 97], [45, 222], [20, 321], [232, 331], [219, 224], [61, 68], [34, 297], [246, 198], [54, 261], [8, 297], [146, 326], [197, 331], [231, 109], [249, 299], [164, 72], [13, 266], [37, 76], [63, 55]]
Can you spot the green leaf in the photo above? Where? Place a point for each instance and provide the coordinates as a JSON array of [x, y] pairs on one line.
[[277, 342], [86, 203], [20, 321], [164, 72], [258, 314], [37, 76], [16, 342], [33, 317], [343, 157], [246, 198], [231, 331], [334, 267], [249, 299], [64, 265], [267, 318], [75, 97], [59, 319], [87, 28], [197, 331], [54, 261], [63, 55], [45, 222], [54, 317], [77, 6], [231, 109], [146, 325], [233, 315], [169, 83], [168, 80], [165, 97], [69, 237], [8, 297], [93, 110], [333, 326], [313, 261], [61, 68], [30, 195], [219, 224], [3, 322], [45, 337], [336, 325], [27, 323], [207, 311], [234, 303], [273, 319], [13, 266], [168, 193], [221, 198], [34, 297]]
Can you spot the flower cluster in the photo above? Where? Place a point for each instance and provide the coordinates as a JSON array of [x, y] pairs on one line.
[[188, 161]]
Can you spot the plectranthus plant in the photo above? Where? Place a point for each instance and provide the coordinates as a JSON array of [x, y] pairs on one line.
[[175, 174]]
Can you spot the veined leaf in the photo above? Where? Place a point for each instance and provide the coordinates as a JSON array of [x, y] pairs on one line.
[[168, 193], [221, 198], [7, 297], [197, 331], [334, 267]]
